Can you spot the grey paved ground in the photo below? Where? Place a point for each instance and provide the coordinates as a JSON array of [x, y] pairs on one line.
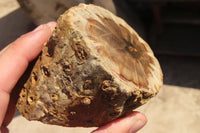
[[176, 109]]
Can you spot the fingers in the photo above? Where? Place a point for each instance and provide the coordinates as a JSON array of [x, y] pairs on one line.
[[129, 124], [14, 60], [4, 130], [9, 114]]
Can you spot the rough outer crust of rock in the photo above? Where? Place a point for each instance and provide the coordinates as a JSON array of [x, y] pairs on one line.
[[95, 68]]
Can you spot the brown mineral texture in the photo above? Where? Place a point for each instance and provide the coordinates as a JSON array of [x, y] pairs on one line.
[[94, 69]]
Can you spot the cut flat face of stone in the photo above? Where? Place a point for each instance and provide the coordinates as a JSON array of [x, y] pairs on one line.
[[94, 69]]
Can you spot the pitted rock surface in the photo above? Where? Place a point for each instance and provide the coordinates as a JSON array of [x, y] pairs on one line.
[[95, 68]]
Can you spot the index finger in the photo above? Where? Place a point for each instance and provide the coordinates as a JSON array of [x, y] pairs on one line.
[[15, 58]]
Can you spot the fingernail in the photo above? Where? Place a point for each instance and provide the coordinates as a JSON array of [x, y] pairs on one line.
[[137, 125], [51, 25], [38, 28]]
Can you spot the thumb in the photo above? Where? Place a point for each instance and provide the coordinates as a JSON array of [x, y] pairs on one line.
[[129, 124]]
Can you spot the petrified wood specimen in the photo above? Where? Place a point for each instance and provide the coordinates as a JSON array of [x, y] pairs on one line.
[[94, 69]]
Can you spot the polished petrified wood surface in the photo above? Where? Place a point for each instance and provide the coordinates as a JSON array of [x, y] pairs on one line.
[[94, 69]]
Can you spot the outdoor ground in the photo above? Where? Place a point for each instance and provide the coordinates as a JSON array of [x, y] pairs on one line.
[[176, 109]]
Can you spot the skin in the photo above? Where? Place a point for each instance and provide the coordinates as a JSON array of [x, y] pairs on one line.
[[14, 60]]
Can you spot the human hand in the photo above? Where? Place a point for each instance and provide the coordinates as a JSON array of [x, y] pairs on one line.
[[14, 60]]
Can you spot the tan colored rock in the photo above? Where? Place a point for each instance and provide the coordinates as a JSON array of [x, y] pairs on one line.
[[94, 69]]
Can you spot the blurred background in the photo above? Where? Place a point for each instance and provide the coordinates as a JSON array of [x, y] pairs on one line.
[[171, 28]]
